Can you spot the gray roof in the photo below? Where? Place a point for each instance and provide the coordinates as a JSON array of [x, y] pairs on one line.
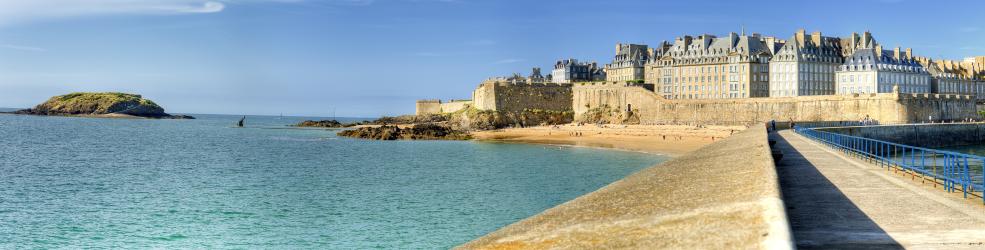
[[708, 47], [868, 58]]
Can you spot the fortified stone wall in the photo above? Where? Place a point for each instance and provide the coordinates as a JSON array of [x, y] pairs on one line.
[[886, 108], [428, 107], [511, 97], [930, 135], [455, 105]]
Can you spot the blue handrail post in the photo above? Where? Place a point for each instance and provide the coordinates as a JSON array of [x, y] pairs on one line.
[[967, 178], [947, 172], [923, 163], [903, 161], [913, 159]]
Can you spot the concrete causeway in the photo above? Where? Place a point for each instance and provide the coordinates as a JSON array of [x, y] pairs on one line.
[[723, 196], [836, 201]]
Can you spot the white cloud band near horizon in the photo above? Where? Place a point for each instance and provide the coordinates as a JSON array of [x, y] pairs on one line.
[[15, 11]]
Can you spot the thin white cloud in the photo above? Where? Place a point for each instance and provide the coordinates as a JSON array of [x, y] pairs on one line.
[[21, 47], [969, 29], [18, 11], [428, 54], [13, 11], [482, 42], [506, 61]]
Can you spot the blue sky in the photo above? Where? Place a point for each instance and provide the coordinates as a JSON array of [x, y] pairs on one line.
[[369, 58]]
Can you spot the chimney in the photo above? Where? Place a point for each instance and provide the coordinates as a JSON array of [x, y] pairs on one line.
[[867, 40], [618, 48], [878, 51], [896, 53], [909, 53], [800, 37], [816, 38]]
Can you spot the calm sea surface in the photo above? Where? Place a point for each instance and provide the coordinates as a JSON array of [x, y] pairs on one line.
[[977, 170], [110, 183]]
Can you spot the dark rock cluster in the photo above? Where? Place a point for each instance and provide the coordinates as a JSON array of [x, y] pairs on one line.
[[427, 131]]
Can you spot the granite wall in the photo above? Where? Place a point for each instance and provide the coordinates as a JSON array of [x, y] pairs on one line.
[[511, 97], [886, 108]]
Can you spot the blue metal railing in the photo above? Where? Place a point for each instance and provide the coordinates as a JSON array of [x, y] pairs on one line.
[[835, 124], [955, 171]]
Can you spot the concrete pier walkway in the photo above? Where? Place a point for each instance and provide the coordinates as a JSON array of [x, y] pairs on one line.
[[834, 201]]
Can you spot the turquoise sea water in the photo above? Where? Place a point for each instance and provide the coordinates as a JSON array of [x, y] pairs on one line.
[[110, 183], [977, 170]]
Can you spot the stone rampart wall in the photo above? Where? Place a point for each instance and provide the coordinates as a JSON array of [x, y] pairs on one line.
[[452, 106], [885, 108], [428, 107], [517, 97]]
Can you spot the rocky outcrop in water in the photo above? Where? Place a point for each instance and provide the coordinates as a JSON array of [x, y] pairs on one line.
[[427, 131], [322, 124], [107, 104]]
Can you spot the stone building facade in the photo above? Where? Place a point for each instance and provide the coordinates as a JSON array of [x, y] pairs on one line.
[[805, 65], [628, 63], [874, 70], [651, 69], [953, 77], [571, 70], [708, 67]]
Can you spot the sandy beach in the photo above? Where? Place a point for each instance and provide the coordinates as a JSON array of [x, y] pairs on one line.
[[671, 140]]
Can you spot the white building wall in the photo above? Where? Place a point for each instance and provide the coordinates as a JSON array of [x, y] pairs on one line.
[[871, 81]]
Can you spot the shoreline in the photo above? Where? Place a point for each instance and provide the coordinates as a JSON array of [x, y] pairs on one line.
[[654, 153], [107, 116], [666, 140]]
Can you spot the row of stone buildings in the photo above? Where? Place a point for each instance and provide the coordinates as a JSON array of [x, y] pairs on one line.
[[745, 66]]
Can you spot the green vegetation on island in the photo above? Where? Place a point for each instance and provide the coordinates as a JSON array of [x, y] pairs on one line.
[[101, 104]]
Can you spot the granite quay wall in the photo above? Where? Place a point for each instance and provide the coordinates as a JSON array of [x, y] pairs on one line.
[[929, 135], [886, 108], [515, 97], [723, 196]]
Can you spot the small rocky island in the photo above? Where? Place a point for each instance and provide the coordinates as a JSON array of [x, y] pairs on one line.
[[101, 104]]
